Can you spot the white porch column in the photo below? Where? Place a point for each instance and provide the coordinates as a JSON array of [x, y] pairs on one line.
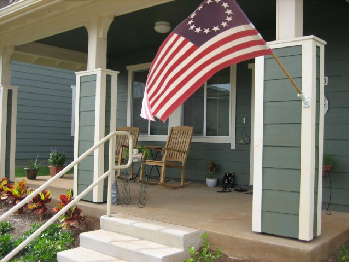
[[95, 112], [97, 29], [288, 144], [8, 115], [289, 19]]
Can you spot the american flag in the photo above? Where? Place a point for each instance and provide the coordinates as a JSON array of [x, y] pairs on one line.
[[216, 35]]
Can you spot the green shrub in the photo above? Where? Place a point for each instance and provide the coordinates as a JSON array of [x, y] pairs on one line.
[[57, 157], [343, 254], [43, 248], [5, 227], [205, 254], [7, 243]]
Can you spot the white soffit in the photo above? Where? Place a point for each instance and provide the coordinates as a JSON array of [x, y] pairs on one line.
[[47, 55]]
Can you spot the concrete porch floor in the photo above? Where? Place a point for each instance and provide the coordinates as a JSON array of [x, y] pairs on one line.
[[227, 217]]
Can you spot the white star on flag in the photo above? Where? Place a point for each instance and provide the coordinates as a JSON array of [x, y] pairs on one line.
[[229, 18], [206, 30], [215, 28], [225, 5], [228, 12], [224, 24], [198, 30]]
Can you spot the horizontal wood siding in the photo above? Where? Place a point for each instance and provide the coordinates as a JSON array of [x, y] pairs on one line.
[[86, 132], [282, 141], [336, 134], [44, 110]]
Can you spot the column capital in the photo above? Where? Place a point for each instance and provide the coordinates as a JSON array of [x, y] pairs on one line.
[[97, 29]]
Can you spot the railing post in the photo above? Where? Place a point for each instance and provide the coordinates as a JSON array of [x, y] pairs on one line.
[[111, 174]]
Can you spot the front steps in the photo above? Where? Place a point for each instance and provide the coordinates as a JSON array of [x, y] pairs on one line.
[[127, 238]]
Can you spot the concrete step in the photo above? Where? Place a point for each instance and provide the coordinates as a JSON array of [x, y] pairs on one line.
[[81, 254], [130, 248], [151, 230]]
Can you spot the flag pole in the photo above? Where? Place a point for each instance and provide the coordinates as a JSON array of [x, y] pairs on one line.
[[305, 99]]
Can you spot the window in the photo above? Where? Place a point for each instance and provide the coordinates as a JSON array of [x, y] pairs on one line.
[[146, 127], [210, 110]]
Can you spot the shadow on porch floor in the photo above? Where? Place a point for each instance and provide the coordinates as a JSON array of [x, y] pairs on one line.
[[227, 217]]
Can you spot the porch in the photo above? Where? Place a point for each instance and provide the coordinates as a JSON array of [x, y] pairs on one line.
[[227, 217]]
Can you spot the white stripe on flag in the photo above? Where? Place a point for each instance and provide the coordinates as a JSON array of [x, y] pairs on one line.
[[210, 67], [145, 111], [197, 64]]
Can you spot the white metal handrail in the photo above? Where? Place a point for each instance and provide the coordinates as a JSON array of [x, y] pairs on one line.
[[112, 167]]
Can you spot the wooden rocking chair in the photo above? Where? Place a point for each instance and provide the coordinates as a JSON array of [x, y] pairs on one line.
[[122, 142], [175, 154]]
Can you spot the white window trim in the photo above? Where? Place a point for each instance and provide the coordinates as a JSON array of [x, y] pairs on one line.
[[176, 116]]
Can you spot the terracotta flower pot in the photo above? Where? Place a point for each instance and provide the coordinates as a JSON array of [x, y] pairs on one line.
[[55, 169], [31, 173], [326, 169]]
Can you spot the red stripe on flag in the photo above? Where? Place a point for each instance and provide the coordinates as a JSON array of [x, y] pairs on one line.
[[205, 52], [151, 72], [198, 69], [207, 76]]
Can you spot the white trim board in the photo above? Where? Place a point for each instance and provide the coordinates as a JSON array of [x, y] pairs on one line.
[[258, 146]]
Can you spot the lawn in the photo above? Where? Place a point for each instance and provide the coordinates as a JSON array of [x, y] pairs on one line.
[[43, 171]]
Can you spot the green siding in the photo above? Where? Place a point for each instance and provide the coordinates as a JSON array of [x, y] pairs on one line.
[[86, 132], [281, 151], [43, 110]]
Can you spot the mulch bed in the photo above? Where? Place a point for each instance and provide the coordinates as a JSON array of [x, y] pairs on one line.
[[22, 222]]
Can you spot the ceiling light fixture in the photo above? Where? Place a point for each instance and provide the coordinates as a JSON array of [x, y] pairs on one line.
[[162, 27]]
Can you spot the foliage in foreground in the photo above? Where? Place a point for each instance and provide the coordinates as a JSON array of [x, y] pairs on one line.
[[5, 227], [205, 254], [43, 248], [343, 254], [73, 216]]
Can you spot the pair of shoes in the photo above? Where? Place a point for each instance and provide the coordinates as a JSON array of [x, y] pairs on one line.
[[239, 189]]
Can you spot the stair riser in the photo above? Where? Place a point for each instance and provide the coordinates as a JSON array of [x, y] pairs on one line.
[[125, 254], [158, 235]]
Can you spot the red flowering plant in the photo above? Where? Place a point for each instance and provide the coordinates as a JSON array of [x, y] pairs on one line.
[[38, 203], [73, 216], [17, 192], [5, 190]]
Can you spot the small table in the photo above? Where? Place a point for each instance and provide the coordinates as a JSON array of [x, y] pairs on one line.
[[153, 155]]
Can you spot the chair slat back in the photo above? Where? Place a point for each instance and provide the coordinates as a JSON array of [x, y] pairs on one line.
[[123, 141], [179, 139]]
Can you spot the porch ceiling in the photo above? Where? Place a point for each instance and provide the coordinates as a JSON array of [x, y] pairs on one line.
[[134, 32], [30, 20]]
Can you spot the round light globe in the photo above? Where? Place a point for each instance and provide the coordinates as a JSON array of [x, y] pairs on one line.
[[162, 27]]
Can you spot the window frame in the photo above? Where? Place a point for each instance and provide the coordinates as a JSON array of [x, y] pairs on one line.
[[176, 117]]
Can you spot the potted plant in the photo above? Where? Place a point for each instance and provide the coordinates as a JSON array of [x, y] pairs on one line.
[[56, 160], [211, 178], [327, 164], [32, 169]]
